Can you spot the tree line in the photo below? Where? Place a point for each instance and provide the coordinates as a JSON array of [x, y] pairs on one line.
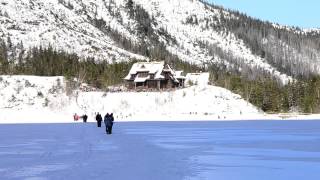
[[302, 95], [289, 49], [49, 62], [46, 61], [264, 92]]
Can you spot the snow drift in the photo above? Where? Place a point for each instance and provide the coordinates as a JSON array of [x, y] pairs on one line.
[[28, 99]]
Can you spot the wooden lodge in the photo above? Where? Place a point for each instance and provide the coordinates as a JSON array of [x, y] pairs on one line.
[[153, 75]]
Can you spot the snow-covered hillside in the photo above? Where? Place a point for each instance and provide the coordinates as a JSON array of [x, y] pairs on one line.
[[18, 92], [85, 28], [64, 26], [32, 98], [44, 99]]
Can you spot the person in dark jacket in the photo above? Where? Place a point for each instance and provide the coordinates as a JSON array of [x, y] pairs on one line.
[[106, 122], [111, 123], [84, 117], [99, 119]]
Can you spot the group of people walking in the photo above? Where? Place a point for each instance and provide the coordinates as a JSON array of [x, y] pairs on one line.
[[108, 121], [76, 117]]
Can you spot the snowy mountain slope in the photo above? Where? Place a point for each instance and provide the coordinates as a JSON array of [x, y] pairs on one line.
[[312, 30], [65, 27], [173, 16], [44, 99], [120, 30]]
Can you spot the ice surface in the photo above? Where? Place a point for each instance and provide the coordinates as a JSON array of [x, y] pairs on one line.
[[241, 150]]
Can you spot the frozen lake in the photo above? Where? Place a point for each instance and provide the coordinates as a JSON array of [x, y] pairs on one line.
[[244, 150]]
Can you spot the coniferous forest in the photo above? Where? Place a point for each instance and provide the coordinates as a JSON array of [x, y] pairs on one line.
[[302, 95]]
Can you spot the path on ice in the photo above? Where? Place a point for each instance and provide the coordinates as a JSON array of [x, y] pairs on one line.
[[162, 150]]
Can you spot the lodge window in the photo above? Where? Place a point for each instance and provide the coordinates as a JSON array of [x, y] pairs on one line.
[[143, 74], [139, 84]]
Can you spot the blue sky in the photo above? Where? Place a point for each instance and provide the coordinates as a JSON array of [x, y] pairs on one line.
[[302, 13]]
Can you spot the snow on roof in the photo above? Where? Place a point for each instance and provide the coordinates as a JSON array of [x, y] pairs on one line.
[[178, 75], [141, 79], [154, 67]]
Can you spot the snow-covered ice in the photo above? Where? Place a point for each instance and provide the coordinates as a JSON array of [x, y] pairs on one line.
[[242, 150]]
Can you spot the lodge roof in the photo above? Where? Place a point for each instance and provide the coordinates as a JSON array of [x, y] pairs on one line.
[[154, 67], [178, 75]]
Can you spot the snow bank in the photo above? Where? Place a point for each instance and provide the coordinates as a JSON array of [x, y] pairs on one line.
[[32, 99], [193, 103]]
